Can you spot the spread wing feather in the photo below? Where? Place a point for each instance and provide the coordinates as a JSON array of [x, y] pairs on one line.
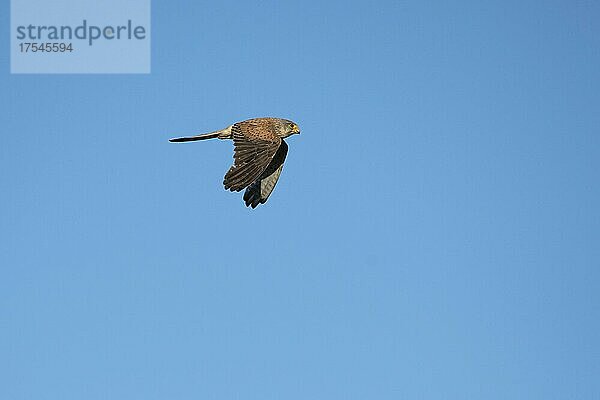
[[260, 190], [254, 148]]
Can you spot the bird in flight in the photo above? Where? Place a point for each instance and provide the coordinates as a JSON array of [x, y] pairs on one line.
[[259, 153]]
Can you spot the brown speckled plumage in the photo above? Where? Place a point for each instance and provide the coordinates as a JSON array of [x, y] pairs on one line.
[[259, 153]]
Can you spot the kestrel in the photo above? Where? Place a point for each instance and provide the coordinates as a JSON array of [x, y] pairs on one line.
[[259, 153]]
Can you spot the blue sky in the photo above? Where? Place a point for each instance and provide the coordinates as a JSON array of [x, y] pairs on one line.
[[434, 233]]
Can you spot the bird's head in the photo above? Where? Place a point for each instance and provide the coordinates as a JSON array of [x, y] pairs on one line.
[[290, 128]]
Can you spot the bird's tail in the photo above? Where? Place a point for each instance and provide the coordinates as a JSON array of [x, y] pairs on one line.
[[222, 134]]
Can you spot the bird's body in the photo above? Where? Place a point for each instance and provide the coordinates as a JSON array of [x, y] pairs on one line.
[[259, 154]]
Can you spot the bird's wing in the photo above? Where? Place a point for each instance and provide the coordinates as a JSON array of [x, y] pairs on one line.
[[261, 189], [254, 149]]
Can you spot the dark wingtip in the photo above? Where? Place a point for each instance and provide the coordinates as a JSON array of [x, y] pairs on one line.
[[252, 195], [251, 202]]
